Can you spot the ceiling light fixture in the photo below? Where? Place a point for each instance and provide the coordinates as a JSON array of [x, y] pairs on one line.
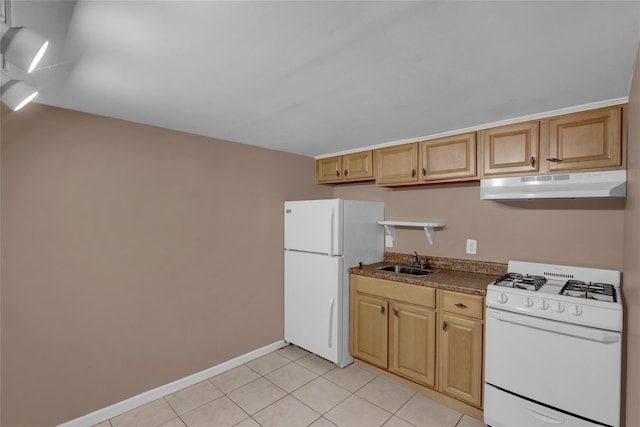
[[15, 94], [22, 47]]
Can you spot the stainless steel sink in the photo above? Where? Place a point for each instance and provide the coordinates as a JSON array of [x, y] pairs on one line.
[[402, 269]]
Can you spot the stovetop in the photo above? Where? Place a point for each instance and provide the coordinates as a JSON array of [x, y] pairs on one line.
[[578, 295], [572, 288]]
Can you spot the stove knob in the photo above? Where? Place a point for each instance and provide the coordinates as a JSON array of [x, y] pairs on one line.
[[528, 302], [502, 298], [557, 307], [543, 304], [575, 310]]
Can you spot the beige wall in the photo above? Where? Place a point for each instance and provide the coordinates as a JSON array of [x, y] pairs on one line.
[[631, 289], [572, 232], [132, 256]]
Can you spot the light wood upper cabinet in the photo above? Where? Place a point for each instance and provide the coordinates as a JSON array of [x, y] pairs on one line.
[[350, 167], [461, 345], [397, 164], [448, 158], [329, 169], [358, 166], [512, 149], [439, 160], [414, 343], [584, 141]]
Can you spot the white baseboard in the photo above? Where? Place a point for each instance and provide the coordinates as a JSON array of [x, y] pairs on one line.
[[148, 396]]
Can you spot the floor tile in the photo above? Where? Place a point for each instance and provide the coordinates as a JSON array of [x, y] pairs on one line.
[[234, 378], [191, 397], [152, 414], [423, 412], [286, 412], [316, 364], [357, 412], [176, 422], [221, 412], [322, 422], [291, 377], [256, 395], [321, 395], [468, 421], [387, 394], [249, 422], [351, 378], [293, 352], [397, 422], [268, 363]]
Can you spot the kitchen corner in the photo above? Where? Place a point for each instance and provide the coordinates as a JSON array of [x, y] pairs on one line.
[[427, 331]]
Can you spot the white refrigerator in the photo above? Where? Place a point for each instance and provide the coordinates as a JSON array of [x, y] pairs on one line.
[[322, 240]]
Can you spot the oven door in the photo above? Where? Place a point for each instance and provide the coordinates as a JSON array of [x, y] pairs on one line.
[[571, 368]]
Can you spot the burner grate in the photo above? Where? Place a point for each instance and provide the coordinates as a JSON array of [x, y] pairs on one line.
[[521, 281], [594, 291]]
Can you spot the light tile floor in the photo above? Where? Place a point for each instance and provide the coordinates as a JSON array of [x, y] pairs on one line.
[[291, 387]]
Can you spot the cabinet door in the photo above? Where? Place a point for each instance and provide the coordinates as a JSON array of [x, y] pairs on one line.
[[510, 149], [461, 358], [358, 166], [370, 332], [413, 353], [397, 165], [448, 158], [587, 140], [329, 169]]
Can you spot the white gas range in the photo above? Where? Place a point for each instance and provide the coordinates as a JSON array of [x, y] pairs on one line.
[[547, 327]]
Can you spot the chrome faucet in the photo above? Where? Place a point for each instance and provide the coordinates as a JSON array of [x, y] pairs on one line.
[[417, 262]]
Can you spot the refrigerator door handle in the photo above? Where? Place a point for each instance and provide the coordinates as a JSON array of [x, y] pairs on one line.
[[330, 252], [331, 321]]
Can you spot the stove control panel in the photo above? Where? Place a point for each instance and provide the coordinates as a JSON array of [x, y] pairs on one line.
[[556, 307]]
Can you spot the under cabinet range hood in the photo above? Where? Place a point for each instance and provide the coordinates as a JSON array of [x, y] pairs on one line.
[[604, 184]]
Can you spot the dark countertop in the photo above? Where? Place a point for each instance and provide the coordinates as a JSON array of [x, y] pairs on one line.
[[453, 280]]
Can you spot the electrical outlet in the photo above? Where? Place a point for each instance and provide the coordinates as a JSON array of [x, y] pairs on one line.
[[471, 246], [388, 241]]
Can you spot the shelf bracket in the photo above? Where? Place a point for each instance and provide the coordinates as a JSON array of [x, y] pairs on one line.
[[429, 228]]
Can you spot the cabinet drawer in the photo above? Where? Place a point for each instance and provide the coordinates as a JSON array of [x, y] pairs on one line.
[[412, 294], [464, 304]]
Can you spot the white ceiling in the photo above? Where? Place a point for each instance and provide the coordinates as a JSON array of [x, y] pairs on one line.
[[315, 78]]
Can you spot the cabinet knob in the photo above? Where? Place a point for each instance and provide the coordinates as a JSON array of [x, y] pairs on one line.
[[444, 325], [337, 173], [382, 309], [533, 162], [461, 305], [346, 172], [553, 159], [413, 173], [424, 172], [395, 312]]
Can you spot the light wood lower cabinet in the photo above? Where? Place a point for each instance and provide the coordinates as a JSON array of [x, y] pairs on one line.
[[433, 339], [461, 358], [370, 329], [413, 350], [461, 345]]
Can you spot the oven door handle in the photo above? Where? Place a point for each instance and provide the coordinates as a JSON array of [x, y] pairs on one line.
[[542, 415], [569, 329]]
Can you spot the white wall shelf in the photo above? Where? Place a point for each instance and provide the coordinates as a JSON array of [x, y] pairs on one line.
[[429, 227]]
